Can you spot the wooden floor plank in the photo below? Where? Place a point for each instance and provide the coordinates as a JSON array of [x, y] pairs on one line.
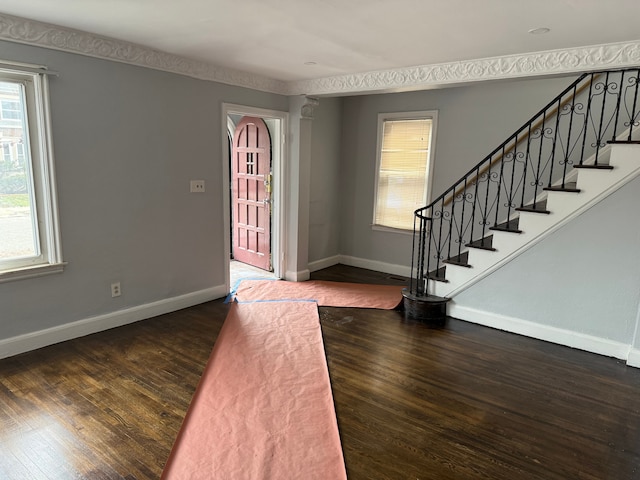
[[413, 402]]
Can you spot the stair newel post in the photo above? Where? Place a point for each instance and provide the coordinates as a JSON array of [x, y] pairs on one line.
[[513, 175], [553, 146], [415, 257], [586, 118], [568, 150], [418, 303], [632, 119], [526, 166], [599, 143], [615, 123], [429, 241], [421, 287], [537, 184], [500, 179]]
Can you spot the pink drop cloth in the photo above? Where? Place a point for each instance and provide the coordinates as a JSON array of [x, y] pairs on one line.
[[326, 294], [263, 409]]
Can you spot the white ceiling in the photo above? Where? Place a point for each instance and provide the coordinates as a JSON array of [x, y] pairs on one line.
[[275, 38]]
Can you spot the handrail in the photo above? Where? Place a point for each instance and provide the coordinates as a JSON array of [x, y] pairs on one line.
[[534, 126], [567, 131], [515, 135]]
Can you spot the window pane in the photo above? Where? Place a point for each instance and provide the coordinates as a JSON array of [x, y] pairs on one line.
[[398, 198], [10, 110], [18, 231], [402, 178]]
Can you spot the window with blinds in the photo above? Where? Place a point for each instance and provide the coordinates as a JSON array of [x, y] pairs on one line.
[[405, 146]]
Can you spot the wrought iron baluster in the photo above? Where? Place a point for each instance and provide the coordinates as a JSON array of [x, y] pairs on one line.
[[537, 178], [526, 165], [475, 199], [604, 101], [486, 203], [499, 185], [513, 173], [615, 123], [568, 149], [633, 109], [586, 119], [439, 249], [553, 146], [464, 206], [453, 208]]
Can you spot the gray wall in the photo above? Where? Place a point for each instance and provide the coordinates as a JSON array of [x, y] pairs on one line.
[[325, 194], [583, 278], [127, 140], [472, 121]]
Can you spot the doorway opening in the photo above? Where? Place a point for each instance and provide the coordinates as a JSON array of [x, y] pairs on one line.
[[253, 166]]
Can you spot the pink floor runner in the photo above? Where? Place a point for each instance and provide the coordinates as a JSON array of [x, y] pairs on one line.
[[326, 294], [263, 408]]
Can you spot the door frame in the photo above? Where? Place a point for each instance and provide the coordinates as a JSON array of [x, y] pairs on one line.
[[279, 186]]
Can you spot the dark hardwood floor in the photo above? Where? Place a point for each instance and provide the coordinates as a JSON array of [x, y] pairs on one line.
[[413, 402]]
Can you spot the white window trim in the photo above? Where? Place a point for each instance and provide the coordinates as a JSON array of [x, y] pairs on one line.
[[42, 164], [431, 114]]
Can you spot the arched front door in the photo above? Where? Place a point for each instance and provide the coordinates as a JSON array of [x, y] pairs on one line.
[[251, 199]]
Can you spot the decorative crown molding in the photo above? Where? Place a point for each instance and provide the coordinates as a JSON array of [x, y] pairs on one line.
[[551, 62], [31, 32], [422, 77]]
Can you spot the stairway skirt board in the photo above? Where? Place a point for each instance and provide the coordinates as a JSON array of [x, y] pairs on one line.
[[594, 185]]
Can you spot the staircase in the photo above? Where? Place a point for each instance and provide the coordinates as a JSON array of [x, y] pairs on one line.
[[576, 151]]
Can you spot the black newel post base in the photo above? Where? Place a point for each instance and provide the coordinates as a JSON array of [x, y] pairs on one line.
[[428, 309]]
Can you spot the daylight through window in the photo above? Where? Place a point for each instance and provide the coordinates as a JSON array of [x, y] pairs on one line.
[[29, 236], [404, 161]]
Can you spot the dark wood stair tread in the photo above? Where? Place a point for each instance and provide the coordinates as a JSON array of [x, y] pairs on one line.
[[461, 260], [438, 275], [599, 166], [568, 187], [538, 207], [623, 142], [509, 226], [485, 243]]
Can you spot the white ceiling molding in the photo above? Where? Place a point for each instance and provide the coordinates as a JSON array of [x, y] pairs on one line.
[[31, 32], [553, 62]]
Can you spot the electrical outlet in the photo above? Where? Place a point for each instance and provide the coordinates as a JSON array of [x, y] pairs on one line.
[[197, 186], [115, 290]]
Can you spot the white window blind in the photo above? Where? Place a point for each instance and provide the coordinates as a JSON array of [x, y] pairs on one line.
[[403, 171]]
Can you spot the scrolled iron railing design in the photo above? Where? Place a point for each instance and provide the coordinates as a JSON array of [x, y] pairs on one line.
[[570, 131]]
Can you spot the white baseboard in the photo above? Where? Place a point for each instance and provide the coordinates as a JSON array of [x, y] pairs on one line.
[[633, 359], [589, 343], [31, 341], [324, 263], [376, 265], [300, 276]]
